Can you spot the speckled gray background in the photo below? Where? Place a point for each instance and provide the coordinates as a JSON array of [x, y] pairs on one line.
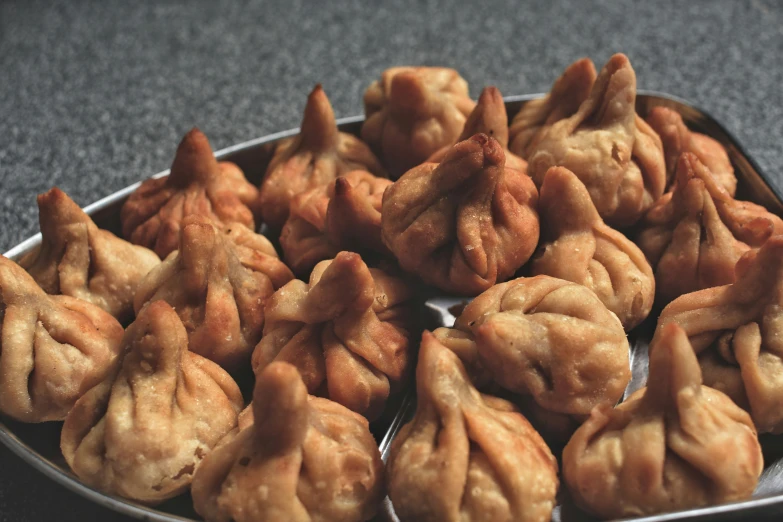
[[95, 94]]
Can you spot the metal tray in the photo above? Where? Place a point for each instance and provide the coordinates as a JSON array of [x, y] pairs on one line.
[[38, 444]]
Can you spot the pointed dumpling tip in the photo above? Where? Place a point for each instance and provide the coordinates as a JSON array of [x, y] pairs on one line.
[[342, 187], [488, 116], [55, 207], [194, 159], [280, 409], [319, 127], [158, 335], [408, 93], [673, 364], [564, 197]]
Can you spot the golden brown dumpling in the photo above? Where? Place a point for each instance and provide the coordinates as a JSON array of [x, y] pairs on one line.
[[671, 446], [197, 184], [677, 138], [343, 215], [466, 457], [304, 459], [464, 224], [567, 94], [695, 234], [611, 150], [736, 330], [547, 339], [314, 157], [218, 282], [52, 348], [347, 332], [78, 259], [414, 111], [142, 433], [576, 245], [488, 117]]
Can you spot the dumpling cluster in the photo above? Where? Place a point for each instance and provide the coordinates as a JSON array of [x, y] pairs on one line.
[[736, 331], [343, 215], [547, 340], [142, 432], [78, 259], [617, 156], [52, 348], [299, 458], [467, 457], [197, 184], [316, 156], [218, 286], [673, 445], [695, 234], [464, 224], [576, 245], [414, 111], [348, 332]]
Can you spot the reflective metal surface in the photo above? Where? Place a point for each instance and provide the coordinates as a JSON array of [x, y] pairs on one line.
[[38, 444]]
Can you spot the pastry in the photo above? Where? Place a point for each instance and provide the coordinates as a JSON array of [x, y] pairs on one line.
[[466, 457], [464, 224], [78, 259], [141, 433], [197, 184], [411, 112], [314, 157], [299, 459], [672, 446]]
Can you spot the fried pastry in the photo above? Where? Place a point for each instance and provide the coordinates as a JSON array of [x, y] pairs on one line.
[[347, 332], [78, 259], [343, 215], [218, 282], [411, 112], [677, 138], [197, 184], [576, 245], [488, 117], [695, 234], [617, 156], [52, 348], [142, 433], [464, 224], [567, 94], [671, 446], [466, 457], [299, 459], [314, 157], [547, 340], [736, 332]]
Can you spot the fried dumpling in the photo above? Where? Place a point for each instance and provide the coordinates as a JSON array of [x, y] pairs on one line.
[[677, 138], [343, 215], [466, 457], [197, 184], [414, 111], [576, 245], [736, 330], [142, 433], [671, 446], [314, 157], [567, 94], [488, 117], [608, 146], [52, 348], [695, 234], [218, 282], [464, 224], [347, 331], [303, 459], [78, 259], [547, 339]]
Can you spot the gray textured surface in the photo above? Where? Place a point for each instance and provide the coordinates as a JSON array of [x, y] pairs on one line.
[[95, 94]]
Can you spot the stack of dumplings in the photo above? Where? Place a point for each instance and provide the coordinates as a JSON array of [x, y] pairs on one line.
[[252, 343]]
